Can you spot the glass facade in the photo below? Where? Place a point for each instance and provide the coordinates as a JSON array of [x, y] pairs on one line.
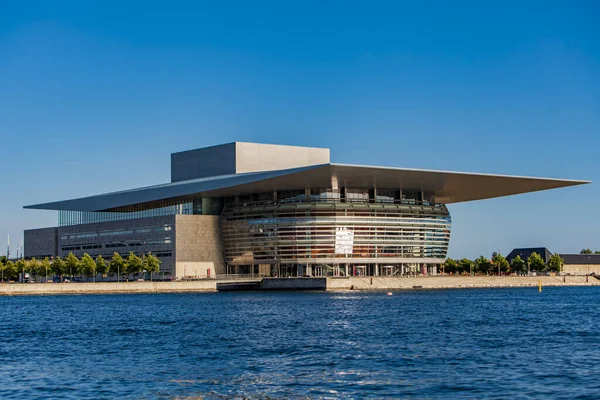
[[67, 218], [158, 239], [189, 206], [363, 230], [335, 232]]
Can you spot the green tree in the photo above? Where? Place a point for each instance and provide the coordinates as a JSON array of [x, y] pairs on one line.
[[45, 266], [21, 267], [500, 263], [483, 265], [72, 264], [465, 266], [117, 264], [88, 266], [58, 266], [101, 266], [10, 271], [133, 263], [450, 266], [2, 269], [555, 263], [517, 265], [586, 251], [3, 260], [34, 266], [535, 262], [151, 263]]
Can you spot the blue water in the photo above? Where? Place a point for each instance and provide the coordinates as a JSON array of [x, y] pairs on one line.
[[495, 343]]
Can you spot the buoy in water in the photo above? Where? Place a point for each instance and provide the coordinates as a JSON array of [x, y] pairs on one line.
[[389, 293]]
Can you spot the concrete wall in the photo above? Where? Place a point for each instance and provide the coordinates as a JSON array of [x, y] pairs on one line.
[[197, 269], [455, 282], [333, 284], [107, 288], [40, 243], [254, 157], [293, 284], [200, 163], [198, 241], [581, 269], [240, 157]]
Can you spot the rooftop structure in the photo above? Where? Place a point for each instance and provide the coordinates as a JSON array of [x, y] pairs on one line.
[[524, 253], [247, 208]]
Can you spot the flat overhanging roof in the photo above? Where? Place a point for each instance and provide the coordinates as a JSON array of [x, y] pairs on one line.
[[448, 187]]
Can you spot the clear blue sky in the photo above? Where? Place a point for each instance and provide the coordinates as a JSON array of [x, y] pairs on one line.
[[95, 95]]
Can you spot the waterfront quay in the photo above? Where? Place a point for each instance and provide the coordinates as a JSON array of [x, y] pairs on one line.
[[291, 284]]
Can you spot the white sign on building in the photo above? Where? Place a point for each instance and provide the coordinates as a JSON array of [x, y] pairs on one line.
[[344, 240]]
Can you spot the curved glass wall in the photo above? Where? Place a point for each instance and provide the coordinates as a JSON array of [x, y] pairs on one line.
[[318, 232]]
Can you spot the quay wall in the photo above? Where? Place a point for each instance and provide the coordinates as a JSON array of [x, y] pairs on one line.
[[107, 287], [293, 284], [455, 282], [330, 284]]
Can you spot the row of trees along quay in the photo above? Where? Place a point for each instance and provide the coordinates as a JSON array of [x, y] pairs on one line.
[[499, 265], [85, 266]]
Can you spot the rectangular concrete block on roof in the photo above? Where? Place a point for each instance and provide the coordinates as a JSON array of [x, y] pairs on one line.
[[242, 157], [257, 157]]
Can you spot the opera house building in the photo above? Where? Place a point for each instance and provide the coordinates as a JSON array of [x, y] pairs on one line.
[[269, 210]]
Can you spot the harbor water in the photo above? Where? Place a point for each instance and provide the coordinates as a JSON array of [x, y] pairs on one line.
[[494, 343]]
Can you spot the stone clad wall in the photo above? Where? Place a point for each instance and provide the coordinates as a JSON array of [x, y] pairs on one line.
[[198, 242]]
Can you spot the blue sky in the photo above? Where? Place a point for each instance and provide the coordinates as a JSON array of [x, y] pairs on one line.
[[95, 95]]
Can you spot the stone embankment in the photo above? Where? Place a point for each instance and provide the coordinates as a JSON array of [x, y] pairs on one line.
[[330, 284], [455, 282], [107, 287]]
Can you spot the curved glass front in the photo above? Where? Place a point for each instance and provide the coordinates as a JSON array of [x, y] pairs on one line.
[[334, 232]]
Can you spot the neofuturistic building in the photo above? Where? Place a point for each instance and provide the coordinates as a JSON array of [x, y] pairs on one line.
[[271, 210]]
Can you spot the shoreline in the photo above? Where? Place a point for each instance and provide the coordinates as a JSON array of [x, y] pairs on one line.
[[329, 284]]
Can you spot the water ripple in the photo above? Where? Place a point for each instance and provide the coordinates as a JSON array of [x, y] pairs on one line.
[[493, 343]]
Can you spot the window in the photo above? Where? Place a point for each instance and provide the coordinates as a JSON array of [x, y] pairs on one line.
[[357, 195], [113, 245]]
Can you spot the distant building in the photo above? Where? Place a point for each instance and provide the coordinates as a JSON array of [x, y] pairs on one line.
[[581, 264], [262, 209], [524, 253]]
